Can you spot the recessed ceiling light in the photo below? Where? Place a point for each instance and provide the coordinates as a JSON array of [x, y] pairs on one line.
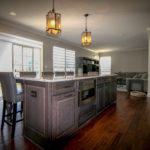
[[12, 13]]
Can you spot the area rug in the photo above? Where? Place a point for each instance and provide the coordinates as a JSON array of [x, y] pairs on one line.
[[138, 94]]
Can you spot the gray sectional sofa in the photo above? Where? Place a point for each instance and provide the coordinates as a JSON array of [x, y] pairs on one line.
[[135, 81]]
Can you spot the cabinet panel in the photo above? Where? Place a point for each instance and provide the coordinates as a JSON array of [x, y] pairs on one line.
[[100, 97], [35, 108], [114, 91], [107, 94], [64, 115]]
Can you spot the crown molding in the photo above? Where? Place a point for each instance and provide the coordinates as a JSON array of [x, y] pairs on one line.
[[40, 33], [123, 50]]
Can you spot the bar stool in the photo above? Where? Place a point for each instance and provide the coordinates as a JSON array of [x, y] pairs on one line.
[[47, 73], [10, 98], [28, 74], [60, 74]]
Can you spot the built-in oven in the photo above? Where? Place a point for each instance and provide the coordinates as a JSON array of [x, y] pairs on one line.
[[87, 100], [86, 92]]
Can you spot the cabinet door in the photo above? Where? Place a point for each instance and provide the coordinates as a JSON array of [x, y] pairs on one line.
[[35, 109], [107, 94], [100, 97], [114, 91], [111, 93], [64, 115]]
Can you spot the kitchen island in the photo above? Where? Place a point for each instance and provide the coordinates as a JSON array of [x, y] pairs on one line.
[[55, 108]]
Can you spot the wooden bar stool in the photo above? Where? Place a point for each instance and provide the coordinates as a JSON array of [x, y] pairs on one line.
[[10, 100]]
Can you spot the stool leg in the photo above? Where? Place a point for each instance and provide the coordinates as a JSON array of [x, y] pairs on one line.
[[21, 108], [14, 120], [3, 115]]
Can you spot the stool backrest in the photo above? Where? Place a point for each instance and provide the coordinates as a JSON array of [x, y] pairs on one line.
[[60, 74], [28, 74], [69, 73], [47, 73], [9, 88]]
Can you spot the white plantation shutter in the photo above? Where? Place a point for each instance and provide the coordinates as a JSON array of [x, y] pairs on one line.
[[70, 60], [105, 64], [58, 59], [63, 60]]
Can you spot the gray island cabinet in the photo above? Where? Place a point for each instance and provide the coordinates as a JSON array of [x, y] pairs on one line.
[[51, 106]]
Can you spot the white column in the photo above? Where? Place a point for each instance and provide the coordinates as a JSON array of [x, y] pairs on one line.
[[148, 93]]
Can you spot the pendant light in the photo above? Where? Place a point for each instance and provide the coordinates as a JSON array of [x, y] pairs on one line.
[[53, 22], [86, 38]]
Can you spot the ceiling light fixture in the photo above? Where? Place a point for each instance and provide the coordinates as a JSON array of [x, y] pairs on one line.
[[12, 13], [53, 22], [86, 38]]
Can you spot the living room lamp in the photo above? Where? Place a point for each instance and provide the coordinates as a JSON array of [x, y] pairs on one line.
[[53, 22], [86, 38]]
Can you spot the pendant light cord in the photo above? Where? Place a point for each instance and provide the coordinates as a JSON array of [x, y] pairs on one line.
[[86, 23], [86, 15], [53, 6]]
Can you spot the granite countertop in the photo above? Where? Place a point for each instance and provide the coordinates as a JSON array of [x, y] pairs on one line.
[[63, 78]]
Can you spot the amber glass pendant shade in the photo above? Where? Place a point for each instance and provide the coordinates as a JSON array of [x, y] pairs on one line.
[[86, 38], [53, 22]]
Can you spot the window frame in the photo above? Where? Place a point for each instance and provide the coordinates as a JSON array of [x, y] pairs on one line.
[[24, 46]]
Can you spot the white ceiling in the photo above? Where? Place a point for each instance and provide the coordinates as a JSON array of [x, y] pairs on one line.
[[115, 24]]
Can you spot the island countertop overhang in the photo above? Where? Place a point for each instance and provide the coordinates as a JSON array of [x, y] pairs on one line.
[[65, 78]]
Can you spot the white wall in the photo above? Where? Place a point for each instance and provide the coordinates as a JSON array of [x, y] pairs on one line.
[[48, 44], [128, 61]]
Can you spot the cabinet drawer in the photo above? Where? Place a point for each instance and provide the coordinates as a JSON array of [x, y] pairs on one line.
[[103, 80], [63, 87], [64, 96], [100, 80]]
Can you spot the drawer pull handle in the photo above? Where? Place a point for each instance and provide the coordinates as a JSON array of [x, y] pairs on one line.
[[33, 94]]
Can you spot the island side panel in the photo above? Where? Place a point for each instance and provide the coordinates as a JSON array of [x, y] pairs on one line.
[[37, 107]]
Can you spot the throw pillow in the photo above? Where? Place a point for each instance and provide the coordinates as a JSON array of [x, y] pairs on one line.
[[144, 76], [139, 75], [135, 76]]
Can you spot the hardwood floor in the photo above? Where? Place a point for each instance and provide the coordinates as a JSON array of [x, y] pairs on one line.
[[124, 126]]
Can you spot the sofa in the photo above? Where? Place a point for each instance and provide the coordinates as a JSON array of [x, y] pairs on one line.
[[137, 85], [134, 81]]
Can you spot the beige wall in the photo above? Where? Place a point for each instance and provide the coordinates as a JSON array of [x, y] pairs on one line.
[[48, 44], [128, 61]]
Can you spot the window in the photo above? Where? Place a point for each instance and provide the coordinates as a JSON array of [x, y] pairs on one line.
[[5, 56], [58, 59], [26, 59], [70, 61], [20, 54], [105, 65], [63, 60]]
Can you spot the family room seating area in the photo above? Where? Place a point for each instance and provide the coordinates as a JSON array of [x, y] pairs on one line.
[[132, 81]]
